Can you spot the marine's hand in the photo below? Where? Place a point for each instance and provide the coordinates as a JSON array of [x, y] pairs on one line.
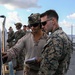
[[4, 57]]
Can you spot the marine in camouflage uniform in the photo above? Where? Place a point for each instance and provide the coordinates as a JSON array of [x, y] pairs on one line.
[[10, 34], [57, 51], [32, 43], [18, 35]]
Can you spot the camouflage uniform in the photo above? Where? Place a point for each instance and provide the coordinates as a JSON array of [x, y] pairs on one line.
[[18, 34], [56, 54], [10, 34]]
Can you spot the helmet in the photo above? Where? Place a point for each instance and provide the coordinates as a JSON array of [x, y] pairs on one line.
[[34, 18], [18, 24]]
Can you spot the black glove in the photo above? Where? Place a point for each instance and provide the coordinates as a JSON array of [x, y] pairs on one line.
[[4, 57]]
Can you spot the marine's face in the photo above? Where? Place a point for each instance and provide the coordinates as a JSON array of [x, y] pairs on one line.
[[35, 28], [18, 27], [46, 24]]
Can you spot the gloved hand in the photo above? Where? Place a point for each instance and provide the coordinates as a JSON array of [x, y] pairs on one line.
[[4, 57]]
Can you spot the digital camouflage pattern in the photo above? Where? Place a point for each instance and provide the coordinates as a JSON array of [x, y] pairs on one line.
[[56, 54], [34, 18]]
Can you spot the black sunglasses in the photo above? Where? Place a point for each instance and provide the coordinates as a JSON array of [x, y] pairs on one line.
[[45, 22], [34, 25]]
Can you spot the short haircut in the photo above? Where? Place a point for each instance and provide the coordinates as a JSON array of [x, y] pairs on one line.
[[24, 26], [43, 14], [50, 13]]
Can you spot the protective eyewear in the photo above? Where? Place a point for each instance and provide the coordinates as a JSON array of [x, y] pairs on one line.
[[45, 22], [34, 25]]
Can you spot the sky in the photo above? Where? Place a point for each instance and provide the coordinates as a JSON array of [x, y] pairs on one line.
[[19, 10]]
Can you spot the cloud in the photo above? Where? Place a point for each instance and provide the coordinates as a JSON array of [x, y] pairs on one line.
[[28, 10], [71, 16], [65, 23], [12, 4], [12, 18], [8, 6], [1, 21]]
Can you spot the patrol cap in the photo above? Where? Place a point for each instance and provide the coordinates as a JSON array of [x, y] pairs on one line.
[[34, 18], [18, 24]]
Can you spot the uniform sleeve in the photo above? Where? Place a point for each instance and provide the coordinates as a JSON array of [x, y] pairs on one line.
[[15, 50], [51, 56]]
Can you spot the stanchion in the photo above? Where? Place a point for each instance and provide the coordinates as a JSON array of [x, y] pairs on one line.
[[3, 41]]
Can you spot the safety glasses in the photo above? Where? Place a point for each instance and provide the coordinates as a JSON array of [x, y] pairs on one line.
[[45, 22], [34, 25]]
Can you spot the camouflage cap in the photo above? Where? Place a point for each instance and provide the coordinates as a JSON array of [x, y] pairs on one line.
[[18, 24], [34, 18]]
